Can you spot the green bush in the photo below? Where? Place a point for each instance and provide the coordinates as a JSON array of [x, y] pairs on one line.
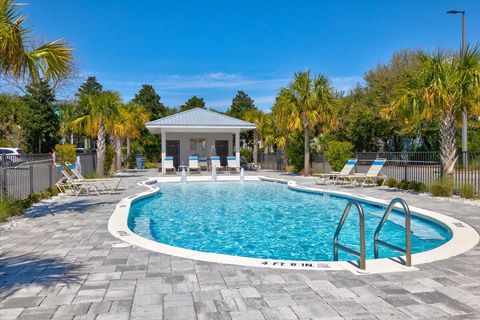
[[247, 154], [404, 185], [131, 161], [441, 188], [337, 153], [66, 152], [109, 156], [417, 186], [467, 191], [380, 182], [391, 182], [295, 154]]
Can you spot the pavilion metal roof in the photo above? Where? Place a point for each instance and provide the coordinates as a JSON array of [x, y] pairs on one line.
[[199, 117]]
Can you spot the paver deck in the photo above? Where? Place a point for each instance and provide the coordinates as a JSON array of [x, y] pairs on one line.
[[61, 265]]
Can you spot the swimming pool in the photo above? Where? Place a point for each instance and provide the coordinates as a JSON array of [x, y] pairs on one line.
[[267, 220]]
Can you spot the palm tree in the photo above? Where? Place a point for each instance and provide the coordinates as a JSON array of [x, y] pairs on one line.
[[440, 89], [130, 120], [51, 60], [101, 110], [257, 117], [304, 105]]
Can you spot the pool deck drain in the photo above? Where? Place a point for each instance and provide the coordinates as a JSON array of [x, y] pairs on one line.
[[61, 265]]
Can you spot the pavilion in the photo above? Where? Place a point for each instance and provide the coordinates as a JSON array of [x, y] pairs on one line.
[[199, 132]]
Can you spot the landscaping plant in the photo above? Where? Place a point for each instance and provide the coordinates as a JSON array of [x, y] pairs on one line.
[[441, 188], [337, 153], [467, 191]]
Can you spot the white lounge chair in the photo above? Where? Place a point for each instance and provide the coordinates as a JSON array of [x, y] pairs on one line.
[[203, 164], [193, 164], [371, 176], [108, 184], [215, 162], [67, 183], [232, 164], [346, 170], [168, 164]]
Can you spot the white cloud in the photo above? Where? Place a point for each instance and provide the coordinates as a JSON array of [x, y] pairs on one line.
[[346, 83]]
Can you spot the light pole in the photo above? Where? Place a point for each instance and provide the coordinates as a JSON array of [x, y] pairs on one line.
[[464, 113]]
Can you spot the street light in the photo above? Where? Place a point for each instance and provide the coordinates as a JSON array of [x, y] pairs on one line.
[[464, 113]]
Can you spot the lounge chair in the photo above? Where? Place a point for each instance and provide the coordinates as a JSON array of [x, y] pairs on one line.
[[67, 183], [215, 162], [371, 176], [168, 164], [232, 164], [335, 175], [193, 164], [108, 184], [203, 164]]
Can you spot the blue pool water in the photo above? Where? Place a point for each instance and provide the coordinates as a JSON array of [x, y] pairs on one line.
[[267, 220]]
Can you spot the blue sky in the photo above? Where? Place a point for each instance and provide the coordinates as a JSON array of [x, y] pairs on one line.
[[214, 48]]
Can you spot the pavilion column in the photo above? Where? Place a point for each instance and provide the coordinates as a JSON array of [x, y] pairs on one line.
[[237, 147], [164, 148]]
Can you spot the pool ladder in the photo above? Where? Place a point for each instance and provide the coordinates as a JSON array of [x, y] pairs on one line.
[[408, 239], [376, 241]]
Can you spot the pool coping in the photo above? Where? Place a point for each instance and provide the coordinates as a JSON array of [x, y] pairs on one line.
[[464, 237]]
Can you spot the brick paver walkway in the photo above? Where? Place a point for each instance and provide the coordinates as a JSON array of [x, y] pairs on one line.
[[61, 265]]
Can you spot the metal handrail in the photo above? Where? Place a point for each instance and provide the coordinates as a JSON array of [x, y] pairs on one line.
[[337, 245], [408, 241]]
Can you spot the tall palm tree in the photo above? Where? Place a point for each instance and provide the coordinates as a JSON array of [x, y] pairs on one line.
[[126, 125], [304, 105], [257, 117], [101, 110], [51, 60], [443, 85]]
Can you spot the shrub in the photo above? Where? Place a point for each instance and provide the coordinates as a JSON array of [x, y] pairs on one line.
[[380, 182], [131, 161], [441, 188], [417, 186], [295, 154], [404, 185], [66, 152], [467, 191], [247, 154], [391, 182], [337, 153], [109, 156]]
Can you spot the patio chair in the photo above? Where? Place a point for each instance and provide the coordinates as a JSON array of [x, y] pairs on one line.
[[203, 164], [193, 164], [168, 164], [371, 176], [346, 170], [108, 184], [215, 162], [232, 164], [67, 183]]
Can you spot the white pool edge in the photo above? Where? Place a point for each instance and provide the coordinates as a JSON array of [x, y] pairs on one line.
[[464, 237]]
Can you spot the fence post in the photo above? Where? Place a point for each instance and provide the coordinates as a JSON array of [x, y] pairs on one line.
[[50, 182], [31, 179], [3, 190]]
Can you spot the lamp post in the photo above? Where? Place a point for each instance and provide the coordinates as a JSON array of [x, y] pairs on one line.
[[464, 113]]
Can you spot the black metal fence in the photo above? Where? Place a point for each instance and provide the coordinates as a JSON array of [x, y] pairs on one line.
[[422, 167], [22, 175]]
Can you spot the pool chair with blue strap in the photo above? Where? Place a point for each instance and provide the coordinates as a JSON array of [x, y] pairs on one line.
[[371, 176], [232, 164], [193, 164], [168, 164], [335, 176], [108, 184], [68, 184], [215, 162]]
